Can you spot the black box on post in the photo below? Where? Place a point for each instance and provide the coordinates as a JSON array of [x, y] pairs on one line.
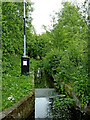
[[24, 65]]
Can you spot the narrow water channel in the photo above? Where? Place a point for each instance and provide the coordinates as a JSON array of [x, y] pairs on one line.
[[45, 96]]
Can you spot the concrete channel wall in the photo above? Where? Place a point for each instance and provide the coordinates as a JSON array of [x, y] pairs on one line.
[[69, 91], [20, 110]]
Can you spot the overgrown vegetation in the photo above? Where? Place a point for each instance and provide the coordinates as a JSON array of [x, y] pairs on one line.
[[14, 86], [61, 51], [67, 56], [70, 37], [62, 108]]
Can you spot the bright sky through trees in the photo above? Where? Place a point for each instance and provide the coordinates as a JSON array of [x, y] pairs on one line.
[[42, 11]]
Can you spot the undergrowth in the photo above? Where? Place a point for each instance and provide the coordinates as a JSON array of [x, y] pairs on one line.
[[14, 86]]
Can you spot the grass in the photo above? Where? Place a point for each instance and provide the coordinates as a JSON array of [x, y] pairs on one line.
[[14, 86]]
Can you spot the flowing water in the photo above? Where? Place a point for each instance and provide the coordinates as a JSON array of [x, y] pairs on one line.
[[43, 99], [44, 94]]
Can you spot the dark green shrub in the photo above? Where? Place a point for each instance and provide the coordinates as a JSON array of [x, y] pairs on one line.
[[52, 61]]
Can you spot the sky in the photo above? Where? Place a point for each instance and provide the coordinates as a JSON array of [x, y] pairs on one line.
[[42, 11]]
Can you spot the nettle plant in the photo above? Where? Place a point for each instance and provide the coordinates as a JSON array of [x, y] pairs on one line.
[[81, 87], [62, 106]]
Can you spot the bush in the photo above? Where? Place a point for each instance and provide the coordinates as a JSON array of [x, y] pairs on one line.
[[52, 61]]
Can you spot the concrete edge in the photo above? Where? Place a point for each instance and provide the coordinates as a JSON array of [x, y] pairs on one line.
[[22, 109]]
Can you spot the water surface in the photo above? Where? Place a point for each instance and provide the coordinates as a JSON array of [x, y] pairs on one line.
[[43, 99]]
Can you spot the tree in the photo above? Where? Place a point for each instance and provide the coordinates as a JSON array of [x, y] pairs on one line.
[[69, 37], [70, 28], [38, 45], [13, 26]]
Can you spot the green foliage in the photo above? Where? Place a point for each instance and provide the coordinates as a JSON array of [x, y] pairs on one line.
[[66, 102], [51, 61], [38, 46], [69, 38], [14, 86], [17, 87], [81, 87], [62, 51], [61, 107], [13, 26], [11, 63], [70, 28]]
